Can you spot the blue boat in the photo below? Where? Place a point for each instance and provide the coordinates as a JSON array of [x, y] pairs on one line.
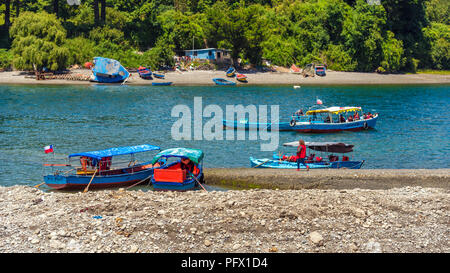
[[327, 120], [231, 72], [220, 81], [159, 76], [330, 161], [181, 169], [145, 73], [108, 71], [97, 170], [161, 83]]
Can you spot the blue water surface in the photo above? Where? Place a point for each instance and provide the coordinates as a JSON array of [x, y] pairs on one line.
[[412, 131]]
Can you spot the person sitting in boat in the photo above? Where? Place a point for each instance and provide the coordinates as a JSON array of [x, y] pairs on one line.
[[350, 118], [299, 112], [327, 119], [341, 118], [188, 165], [356, 117], [369, 115], [301, 154]]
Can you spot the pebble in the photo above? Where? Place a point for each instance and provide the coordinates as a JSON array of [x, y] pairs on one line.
[[236, 221]]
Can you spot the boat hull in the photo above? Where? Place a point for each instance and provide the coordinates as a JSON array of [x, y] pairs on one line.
[[176, 186], [219, 81], [305, 127], [76, 182], [161, 83], [277, 164]]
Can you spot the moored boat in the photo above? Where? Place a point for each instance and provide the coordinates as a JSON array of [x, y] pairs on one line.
[[108, 71], [326, 120], [329, 161], [184, 172], [97, 169], [220, 81]]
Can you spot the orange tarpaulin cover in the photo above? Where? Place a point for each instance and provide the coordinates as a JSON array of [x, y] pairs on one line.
[[294, 68]]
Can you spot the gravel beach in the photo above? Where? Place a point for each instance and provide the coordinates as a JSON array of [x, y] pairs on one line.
[[202, 77], [395, 219]]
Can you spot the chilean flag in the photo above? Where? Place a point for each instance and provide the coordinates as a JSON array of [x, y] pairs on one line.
[[48, 149], [319, 101]]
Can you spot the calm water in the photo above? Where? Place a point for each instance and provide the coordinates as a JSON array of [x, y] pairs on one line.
[[412, 131]]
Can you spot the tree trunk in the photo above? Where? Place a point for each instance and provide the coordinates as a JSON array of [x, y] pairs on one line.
[[17, 4], [55, 8], [103, 12], [96, 15], [7, 14]]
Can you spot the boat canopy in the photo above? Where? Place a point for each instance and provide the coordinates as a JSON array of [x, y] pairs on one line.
[[331, 147], [108, 67], [118, 151], [334, 110], [194, 155]]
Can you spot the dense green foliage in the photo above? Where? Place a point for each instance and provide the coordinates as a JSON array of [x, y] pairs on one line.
[[347, 35]]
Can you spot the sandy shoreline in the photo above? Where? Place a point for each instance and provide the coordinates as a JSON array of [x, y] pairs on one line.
[[257, 78], [411, 216]]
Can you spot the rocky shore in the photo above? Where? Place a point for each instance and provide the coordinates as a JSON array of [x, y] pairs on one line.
[[404, 219], [204, 77]]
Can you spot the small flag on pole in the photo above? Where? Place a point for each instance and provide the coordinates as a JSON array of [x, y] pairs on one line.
[[48, 149], [319, 101]]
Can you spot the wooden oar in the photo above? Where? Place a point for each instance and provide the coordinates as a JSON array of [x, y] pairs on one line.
[[37, 186], [261, 163], [92, 178]]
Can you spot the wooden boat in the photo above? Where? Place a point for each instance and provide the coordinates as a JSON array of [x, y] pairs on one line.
[[97, 169], [320, 70], [324, 120], [108, 71], [145, 73], [295, 70], [161, 83], [220, 81], [231, 72], [241, 77], [173, 176], [330, 161], [159, 76]]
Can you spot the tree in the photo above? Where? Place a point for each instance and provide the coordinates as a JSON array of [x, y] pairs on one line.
[[38, 40]]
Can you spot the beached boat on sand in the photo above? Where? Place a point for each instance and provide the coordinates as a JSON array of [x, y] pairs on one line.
[[326, 120], [145, 72], [97, 170], [220, 81], [329, 161], [231, 72], [241, 77], [108, 71], [161, 83], [183, 173]]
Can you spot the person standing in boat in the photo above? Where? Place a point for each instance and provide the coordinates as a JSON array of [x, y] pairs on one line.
[[301, 154]]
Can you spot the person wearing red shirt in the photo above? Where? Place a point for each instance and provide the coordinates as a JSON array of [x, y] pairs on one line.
[[301, 154]]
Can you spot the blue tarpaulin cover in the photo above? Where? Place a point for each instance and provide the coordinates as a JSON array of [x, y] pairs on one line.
[[118, 151]]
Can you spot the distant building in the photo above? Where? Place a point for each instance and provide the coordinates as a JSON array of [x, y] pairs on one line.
[[212, 54]]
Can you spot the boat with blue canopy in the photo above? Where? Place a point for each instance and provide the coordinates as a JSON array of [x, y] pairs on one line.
[[180, 169], [328, 161], [325, 120], [220, 81], [98, 169], [107, 70]]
